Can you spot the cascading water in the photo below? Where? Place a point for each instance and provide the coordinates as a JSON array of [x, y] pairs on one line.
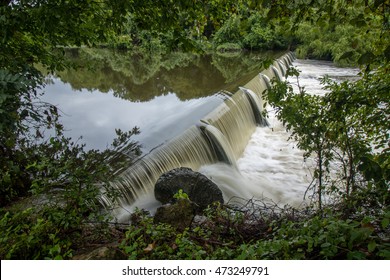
[[256, 106], [219, 144], [222, 136], [277, 73], [271, 166], [189, 149], [282, 67]]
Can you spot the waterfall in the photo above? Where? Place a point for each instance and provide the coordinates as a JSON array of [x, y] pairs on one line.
[[277, 73], [221, 136], [189, 149], [256, 106], [282, 67], [235, 119], [266, 80], [219, 144]]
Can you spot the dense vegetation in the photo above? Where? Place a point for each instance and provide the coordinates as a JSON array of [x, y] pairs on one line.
[[50, 188]]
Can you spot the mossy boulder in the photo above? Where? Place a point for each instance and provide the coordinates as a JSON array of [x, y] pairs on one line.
[[200, 189], [179, 215]]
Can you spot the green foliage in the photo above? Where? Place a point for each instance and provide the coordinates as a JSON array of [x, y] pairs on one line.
[[32, 32], [357, 33], [229, 233], [146, 240], [341, 128], [28, 236], [261, 34], [196, 19], [323, 237], [230, 32], [344, 44], [67, 183], [180, 195], [22, 118], [253, 33]]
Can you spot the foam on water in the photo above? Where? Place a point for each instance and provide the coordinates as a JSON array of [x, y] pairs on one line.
[[312, 71], [270, 167]]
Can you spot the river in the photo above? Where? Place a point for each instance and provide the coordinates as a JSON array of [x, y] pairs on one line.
[[161, 95], [270, 167]]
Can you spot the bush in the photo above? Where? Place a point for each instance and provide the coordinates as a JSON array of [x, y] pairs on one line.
[[26, 235], [260, 230], [64, 194], [254, 33], [262, 35], [229, 47], [333, 43], [230, 33]]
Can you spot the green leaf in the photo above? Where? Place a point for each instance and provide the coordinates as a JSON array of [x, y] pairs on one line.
[[385, 254], [356, 255], [385, 223], [359, 21], [371, 246]]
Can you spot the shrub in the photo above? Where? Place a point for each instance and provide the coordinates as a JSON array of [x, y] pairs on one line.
[[230, 32], [229, 47]]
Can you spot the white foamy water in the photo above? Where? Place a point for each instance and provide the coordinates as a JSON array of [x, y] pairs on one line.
[[312, 71], [271, 165]]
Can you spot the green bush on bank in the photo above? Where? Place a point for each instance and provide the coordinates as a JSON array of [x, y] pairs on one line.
[[253, 33], [229, 47], [25, 235], [67, 185], [332, 42], [224, 234]]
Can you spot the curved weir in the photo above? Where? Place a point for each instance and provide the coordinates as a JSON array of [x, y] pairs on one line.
[[219, 144], [256, 104], [221, 136], [189, 149], [282, 67], [277, 73]]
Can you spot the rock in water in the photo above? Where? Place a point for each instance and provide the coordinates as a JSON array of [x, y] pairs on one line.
[[200, 189]]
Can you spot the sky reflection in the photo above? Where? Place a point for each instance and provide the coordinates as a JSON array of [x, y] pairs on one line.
[[95, 115]]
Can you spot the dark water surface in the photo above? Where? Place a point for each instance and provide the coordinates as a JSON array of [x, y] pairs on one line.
[[161, 95]]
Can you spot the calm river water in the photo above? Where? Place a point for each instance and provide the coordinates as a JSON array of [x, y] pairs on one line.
[[162, 96]]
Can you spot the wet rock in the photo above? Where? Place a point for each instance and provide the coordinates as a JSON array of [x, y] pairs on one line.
[[179, 215], [200, 190]]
